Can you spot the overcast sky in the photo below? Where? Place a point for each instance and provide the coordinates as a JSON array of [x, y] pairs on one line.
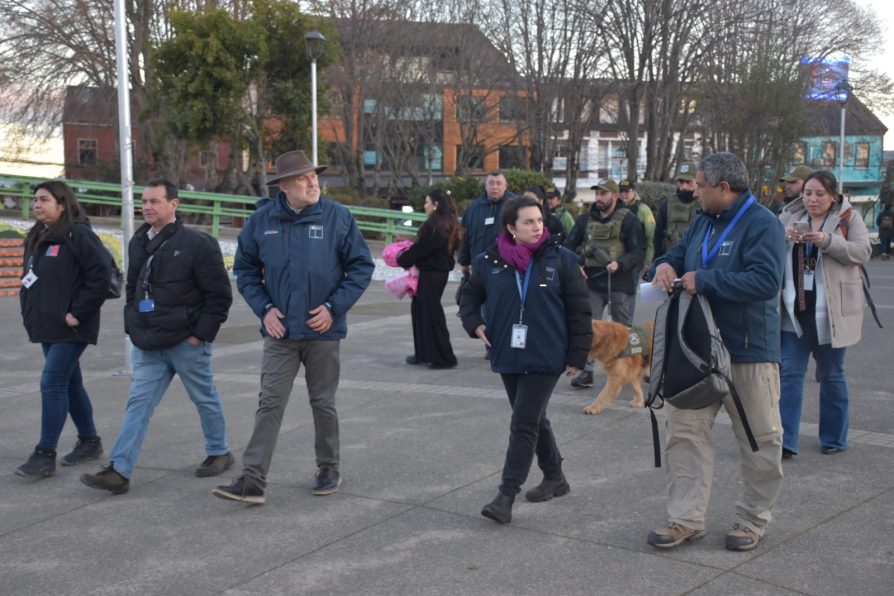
[[885, 60]]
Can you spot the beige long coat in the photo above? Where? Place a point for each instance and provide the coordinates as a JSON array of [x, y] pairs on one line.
[[841, 258]]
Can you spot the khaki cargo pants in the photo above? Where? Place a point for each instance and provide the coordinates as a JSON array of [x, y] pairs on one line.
[[689, 453]]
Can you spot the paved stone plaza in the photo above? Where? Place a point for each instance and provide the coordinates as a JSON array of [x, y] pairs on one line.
[[421, 453]]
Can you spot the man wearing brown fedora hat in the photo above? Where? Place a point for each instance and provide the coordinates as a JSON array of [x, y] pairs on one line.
[[301, 264]]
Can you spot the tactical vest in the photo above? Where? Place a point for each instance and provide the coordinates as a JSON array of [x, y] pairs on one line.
[[679, 214], [637, 343], [603, 243]]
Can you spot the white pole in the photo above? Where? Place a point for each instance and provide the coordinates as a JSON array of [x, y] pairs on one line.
[[125, 144], [313, 103], [841, 150]]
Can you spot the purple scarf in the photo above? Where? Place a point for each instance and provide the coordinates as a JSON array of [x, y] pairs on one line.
[[518, 255]]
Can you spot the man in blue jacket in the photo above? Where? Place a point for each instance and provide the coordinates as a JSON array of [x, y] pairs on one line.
[[301, 264], [733, 254], [481, 221]]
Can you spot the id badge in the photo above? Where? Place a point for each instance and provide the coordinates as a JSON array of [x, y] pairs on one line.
[[519, 337], [29, 279], [146, 305], [489, 221], [808, 281]]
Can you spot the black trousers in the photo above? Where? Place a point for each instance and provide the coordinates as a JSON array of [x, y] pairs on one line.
[[530, 432], [431, 340]]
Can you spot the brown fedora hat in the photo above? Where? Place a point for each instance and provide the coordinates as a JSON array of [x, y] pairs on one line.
[[293, 163]]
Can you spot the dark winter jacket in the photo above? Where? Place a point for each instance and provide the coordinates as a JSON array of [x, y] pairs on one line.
[[430, 251], [186, 278], [299, 261], [743, 280], [72, 277], [634, 239], [557, 311], [479, 234]]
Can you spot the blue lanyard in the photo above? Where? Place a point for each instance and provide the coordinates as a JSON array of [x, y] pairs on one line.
[[707, 256], [523, 289], [808, 246]]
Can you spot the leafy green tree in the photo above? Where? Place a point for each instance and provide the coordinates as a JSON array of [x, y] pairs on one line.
[[246, 81]]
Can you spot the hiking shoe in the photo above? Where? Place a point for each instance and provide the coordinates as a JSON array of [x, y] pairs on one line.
[[831, 450], [108, 479], [673, 535], [215, 465], [500, 509], [84, 450], [41, 464], [741, 537], [548, 489], [412, 359], [243, 490], [327, 481], [788, 453], [583, 380]]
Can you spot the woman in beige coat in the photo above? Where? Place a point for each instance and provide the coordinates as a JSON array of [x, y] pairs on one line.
[[822, 296]]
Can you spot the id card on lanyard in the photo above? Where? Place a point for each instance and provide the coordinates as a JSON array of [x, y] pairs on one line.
[[519, 338], [708, 256]]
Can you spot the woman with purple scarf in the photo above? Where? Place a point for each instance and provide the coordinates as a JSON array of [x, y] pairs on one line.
[[538, 326]]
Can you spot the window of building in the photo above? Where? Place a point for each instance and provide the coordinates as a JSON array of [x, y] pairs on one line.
[[429, 158], [862, 160], [472, 156], [608, 111], [470, 108], [514, 156], [830, 153], [512, 108], [87, 152]]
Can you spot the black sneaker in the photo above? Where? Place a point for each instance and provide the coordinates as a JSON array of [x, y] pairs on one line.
[[327, 481], [108, 479], [41, 464], [84, 450], [243, 490], [215, 465]]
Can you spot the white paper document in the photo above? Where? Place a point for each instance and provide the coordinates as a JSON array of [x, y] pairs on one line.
[[650, 293]]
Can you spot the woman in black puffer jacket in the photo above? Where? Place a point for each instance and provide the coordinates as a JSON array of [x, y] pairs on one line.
[[65, 282], [538, 326]]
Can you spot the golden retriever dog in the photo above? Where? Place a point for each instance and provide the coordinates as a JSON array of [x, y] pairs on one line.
[[609, 342]]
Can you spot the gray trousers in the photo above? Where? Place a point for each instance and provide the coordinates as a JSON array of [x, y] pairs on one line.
[[621, 307], [280, 364], [690, 451]]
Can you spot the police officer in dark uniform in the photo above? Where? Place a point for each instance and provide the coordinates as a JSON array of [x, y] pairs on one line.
[[611, 245], [676, 211]]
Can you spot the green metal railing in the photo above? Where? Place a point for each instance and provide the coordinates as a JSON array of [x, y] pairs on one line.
[[380, 221]]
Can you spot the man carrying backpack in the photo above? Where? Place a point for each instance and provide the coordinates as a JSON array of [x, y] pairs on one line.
[[732, 254]]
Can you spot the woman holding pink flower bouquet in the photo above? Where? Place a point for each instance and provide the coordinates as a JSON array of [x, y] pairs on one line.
[[432, 254]]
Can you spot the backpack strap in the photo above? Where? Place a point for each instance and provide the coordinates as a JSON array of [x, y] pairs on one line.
[[844, 224]]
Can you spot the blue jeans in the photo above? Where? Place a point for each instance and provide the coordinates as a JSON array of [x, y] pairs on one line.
[[153, 371], [833, 414], [62, 393]]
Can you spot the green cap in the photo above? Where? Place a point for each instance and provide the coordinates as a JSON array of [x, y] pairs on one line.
[[799, 173], [626, 185], [608, 185], [686, 171]]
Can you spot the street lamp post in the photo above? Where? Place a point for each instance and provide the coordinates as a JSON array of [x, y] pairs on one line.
[[843, 88], [314, 42]]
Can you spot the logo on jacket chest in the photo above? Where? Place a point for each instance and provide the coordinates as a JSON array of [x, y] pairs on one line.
[[726, 248], [315, 232]]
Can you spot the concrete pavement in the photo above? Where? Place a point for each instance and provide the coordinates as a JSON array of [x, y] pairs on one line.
[[421, 453]]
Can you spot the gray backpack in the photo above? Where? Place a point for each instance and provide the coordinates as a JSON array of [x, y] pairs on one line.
[[690, 364]]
